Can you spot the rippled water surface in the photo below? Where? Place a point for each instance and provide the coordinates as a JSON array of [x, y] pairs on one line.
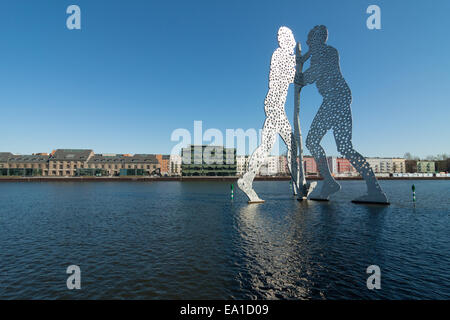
[[188, 240]]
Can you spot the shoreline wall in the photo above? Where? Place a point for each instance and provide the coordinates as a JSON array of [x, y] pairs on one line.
[[156, 179]]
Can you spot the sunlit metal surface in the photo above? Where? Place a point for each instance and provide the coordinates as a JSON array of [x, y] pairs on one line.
[[282, 73]]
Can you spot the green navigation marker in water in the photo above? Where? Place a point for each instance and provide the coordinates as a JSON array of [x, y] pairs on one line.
[[414, 193], [232, 191]]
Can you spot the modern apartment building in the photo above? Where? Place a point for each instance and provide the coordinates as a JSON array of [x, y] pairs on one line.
[[425, 166], [270, 167], [202, 160], [398, 165], [283, 169], [340, 166], [175, 165], [310, 166], [241, 164], [381, 165], [274, 166], [344, 166]]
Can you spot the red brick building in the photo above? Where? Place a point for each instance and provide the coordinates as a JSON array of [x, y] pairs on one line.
[[310, 165], [344, 166], [164, 162]]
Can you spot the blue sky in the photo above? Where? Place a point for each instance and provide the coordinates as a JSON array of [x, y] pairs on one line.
[[140, 69]]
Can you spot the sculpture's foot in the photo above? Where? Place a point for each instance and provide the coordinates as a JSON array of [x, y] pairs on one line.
[[328, 189], [374, 197], [311, 187], [248, 190], [307, 189], [257, 201]]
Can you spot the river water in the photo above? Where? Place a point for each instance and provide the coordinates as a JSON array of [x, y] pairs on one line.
[[189, 240]]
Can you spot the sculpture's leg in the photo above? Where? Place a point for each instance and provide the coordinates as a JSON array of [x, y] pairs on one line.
[[256, 160], [294, 169], [343, 136], [288, 138], [319, 127]]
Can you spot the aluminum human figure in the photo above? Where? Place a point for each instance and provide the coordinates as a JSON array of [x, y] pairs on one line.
[[303, 188], [334, 113], [282, 73]]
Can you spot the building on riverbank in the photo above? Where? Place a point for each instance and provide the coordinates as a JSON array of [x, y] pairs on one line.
[[271, 167], [23, 165], [75, 162], [442, 165], [125, 164], [310, 166], [66, 162], [398, 165], [164, 162], [175, 165], [84, 162], [425, 166], [202, 160], [274, 166]]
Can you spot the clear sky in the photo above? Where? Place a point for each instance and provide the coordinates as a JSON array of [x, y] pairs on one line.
[[137, 70]]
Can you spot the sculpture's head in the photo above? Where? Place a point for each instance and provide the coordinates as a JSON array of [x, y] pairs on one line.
[[317, 36], [286, 38]]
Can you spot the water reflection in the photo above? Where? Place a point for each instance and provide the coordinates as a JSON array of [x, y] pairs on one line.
[[171, 240], [276, 254], [294, 249]]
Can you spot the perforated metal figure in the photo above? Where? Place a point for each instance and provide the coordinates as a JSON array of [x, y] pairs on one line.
[[334, 113], [282, 73]]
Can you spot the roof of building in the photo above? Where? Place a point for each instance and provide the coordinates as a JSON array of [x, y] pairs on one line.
[[4, 156], [28, 158], [119, 158], [72, 154], [150, 158]]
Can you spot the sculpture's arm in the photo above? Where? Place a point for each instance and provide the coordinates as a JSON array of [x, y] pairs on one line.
[[308, 77], [301, 59]]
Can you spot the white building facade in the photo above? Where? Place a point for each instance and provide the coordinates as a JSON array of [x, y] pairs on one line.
[[175, 165]]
